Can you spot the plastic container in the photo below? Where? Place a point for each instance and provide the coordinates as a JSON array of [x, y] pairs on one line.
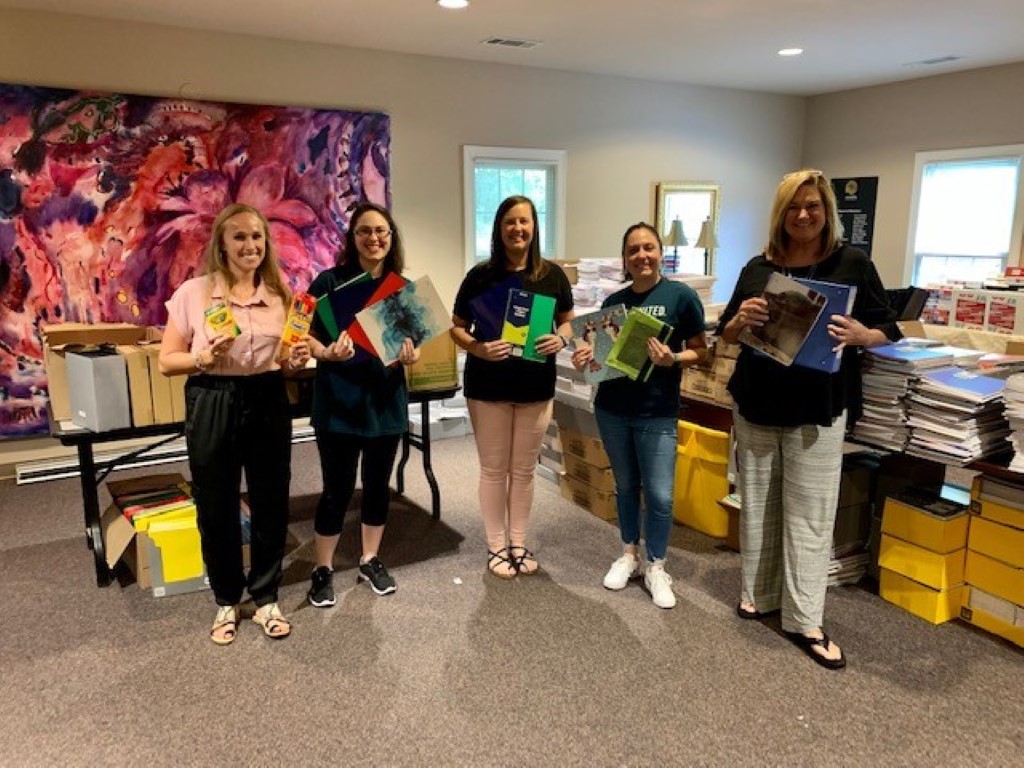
[[702, 464]]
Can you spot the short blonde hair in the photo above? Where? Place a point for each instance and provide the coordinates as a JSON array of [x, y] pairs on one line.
[[831, 234]]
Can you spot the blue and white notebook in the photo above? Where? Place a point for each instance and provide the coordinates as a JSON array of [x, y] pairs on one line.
[[817, 350], [962, 383]]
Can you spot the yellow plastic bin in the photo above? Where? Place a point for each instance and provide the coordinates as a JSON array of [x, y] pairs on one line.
[[702, 463]]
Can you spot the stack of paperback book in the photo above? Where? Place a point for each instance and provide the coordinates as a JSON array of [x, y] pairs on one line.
[[956, 415], [1013, 395], [889, 373], [171, 501]]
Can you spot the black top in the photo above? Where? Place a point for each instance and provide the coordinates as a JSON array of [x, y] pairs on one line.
[[512, 379], [771, 394], [678, 305], [358, 396]]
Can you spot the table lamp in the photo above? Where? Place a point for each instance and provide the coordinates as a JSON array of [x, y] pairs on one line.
[[674, 237], [707, 242]]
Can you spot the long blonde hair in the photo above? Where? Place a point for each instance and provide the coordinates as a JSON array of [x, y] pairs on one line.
[[215, 256], [831, 234]]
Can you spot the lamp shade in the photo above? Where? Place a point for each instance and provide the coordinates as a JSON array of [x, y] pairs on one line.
[[675, 235], [707, 236]]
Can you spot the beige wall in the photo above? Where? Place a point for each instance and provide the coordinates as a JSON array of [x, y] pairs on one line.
[[876, 131], [621, 135]]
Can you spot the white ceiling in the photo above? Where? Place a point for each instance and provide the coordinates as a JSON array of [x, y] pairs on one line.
[[728, 43]]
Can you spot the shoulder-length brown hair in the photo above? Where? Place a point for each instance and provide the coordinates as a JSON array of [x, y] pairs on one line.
[[268, 272], [394, 261], [536, 266], [831, 234]]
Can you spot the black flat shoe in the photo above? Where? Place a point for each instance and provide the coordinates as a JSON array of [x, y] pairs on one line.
[[808, 644], [743, 613]]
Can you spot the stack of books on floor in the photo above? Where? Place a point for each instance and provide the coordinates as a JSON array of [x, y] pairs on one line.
[[848, 564], [169, 502], [1013, 397], [956, 416]]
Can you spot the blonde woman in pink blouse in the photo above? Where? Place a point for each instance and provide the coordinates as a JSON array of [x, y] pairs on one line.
[[236, 413]]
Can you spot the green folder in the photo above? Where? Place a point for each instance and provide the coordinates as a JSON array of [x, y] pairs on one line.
[[629, 353], [528, 316]]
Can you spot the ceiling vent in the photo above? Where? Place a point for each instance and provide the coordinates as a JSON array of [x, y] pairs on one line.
[[511, 42]]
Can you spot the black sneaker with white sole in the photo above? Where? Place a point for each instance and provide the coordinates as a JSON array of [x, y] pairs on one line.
[[374, 573], [321, 591]]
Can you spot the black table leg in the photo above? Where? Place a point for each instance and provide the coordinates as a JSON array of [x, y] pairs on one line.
[[400, 472], [428, 470], [91, 503]]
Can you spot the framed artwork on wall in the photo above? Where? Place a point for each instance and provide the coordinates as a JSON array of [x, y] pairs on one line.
[[106, 202]]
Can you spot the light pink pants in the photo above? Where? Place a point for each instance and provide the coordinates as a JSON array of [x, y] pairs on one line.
[[508, 438]]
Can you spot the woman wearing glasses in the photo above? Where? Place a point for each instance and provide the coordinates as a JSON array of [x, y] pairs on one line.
[[360, 407], [509, 398], [790, 421]]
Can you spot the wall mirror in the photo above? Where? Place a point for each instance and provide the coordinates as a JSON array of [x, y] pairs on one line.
[[686, 215]]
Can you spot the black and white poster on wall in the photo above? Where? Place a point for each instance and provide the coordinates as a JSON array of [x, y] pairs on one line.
[[856, 198]]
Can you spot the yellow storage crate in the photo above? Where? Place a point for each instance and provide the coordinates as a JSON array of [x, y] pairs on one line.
[[702, 464]]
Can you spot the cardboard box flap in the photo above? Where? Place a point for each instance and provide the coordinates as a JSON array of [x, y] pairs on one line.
[[118, 534]]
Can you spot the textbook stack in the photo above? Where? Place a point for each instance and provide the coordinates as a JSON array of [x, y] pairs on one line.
[[922, 554], [993, 598], [956, 416], [1013, 397]]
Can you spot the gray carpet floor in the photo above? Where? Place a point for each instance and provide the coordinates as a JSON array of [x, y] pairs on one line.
[[458, 668]]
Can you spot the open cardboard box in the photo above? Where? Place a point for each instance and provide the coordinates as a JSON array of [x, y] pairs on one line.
[[154, 398]]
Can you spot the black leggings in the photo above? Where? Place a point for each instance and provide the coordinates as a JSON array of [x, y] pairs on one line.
[[339, 457], [234, 423]]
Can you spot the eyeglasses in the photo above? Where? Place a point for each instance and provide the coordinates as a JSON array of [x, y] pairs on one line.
[[381, 232]]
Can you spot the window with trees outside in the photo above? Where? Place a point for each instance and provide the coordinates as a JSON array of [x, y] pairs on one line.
[[967, 214], [493, 173]]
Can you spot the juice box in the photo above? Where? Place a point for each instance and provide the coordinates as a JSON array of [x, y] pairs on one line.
[[300, 316], [221, 321]]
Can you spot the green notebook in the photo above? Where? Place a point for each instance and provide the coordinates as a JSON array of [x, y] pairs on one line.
[[629, 353]]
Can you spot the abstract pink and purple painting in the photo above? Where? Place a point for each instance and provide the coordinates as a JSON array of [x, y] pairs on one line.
[[106, 202]]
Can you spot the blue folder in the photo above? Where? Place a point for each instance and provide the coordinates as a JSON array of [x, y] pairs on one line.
[[816, 352]]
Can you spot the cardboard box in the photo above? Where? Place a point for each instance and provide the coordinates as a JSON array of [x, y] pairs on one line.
[[932, 605], [908, 519], [168, 393], [61, 338], [441, 428], [437, 367], [1005, 313], [938, 571], [732, 534], [583, 446], [996, 578], [998, 502], [600, 478], [1000, 542], [706, 385], [599, 503], [98, 389], [140, 388], [993, 614], [970, 309]]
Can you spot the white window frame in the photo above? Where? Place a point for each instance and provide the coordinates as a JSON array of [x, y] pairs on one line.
[[922, 159], [553, 158]]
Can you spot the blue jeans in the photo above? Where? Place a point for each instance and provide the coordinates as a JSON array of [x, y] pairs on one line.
[[642, 451]]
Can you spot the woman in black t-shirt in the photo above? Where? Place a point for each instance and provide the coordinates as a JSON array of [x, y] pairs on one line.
[[509, 397]]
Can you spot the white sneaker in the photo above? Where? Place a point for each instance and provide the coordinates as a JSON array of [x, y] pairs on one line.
[[622, 570], [659, 584]]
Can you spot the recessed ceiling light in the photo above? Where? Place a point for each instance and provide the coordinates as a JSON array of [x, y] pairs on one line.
[[791, 51], [453, 3]]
